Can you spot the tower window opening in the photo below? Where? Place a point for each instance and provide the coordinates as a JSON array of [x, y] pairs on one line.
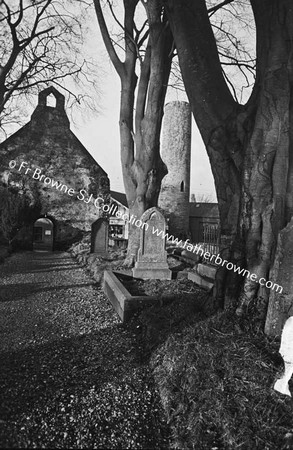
[[182, 186], [51, 101]]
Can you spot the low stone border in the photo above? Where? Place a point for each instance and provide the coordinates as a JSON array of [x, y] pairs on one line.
[[123, 302], [204, 275]]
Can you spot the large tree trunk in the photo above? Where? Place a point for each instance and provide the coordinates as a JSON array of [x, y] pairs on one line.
[[142, 166], [142, 176], [143, 195], [250, 146]]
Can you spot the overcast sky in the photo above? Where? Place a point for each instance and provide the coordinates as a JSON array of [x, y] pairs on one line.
[[101, 137], [100, 134]]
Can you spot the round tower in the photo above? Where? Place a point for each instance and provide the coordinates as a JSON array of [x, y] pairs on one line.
[[175, 152]]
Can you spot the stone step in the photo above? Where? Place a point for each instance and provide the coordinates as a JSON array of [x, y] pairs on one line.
[[204, 275], [206, 270], [206, 283]]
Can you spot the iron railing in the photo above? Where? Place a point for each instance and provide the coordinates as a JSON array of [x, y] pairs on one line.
[[211, 237]]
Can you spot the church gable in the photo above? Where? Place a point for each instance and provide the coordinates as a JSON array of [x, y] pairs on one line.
[[53, 167]]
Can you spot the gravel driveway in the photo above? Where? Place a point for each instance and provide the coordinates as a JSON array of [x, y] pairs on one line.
[[69, 376]]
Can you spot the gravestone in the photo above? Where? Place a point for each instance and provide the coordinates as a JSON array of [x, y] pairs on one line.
[[152, 256], [99, 236], [286, 351], [281, 299]]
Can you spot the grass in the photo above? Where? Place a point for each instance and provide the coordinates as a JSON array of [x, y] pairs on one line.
[[4, 253], [215, 376], [215, 382], [93, 263]]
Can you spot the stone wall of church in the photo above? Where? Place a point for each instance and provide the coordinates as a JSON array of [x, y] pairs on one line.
[[45, 161]]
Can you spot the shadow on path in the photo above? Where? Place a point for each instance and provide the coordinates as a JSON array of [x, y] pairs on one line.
[[70, 377]]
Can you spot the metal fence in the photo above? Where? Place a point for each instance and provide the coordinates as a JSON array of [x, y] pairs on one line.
[[211, 237]]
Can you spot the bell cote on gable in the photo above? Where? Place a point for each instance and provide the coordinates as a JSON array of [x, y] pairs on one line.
[[50, 93], [50, 109]]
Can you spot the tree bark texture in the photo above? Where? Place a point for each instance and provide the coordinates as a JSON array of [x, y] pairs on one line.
[[249, 146], [142, 166]]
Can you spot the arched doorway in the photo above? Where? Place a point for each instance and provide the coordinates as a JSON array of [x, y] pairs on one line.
[[43, 234]]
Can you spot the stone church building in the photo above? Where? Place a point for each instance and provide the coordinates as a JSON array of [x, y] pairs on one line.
[[47, 163]]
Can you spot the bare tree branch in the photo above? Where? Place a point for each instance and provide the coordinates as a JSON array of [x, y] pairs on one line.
[[38, 45], [214, 9], [107, 40]]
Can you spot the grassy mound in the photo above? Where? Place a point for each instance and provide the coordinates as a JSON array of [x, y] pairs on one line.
[[92, 262], [4, 253], [215, 375], [215, 382]]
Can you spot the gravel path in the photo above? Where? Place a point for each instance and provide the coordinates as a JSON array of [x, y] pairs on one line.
[[70, 376]]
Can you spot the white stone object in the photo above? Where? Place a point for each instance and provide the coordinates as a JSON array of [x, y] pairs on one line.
[[286, 351], [175, 152]]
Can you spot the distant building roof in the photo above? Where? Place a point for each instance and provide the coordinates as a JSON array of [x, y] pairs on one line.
[[203, 209], [119, 197]]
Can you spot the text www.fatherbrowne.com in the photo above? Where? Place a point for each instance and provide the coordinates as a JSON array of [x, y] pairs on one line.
[[133, 220], [197, 249]]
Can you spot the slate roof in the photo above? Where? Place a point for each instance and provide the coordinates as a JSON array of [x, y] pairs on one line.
[[120, 197]]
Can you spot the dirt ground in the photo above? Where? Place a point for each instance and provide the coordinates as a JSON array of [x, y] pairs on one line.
[[70, 376]]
